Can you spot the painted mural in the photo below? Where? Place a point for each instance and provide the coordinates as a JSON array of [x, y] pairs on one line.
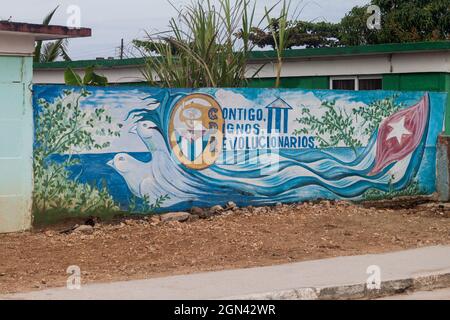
[[146, 150]]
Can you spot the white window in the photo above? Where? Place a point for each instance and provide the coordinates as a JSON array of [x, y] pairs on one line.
[[356, 83]]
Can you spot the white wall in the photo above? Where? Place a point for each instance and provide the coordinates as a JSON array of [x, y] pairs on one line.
[[12, 44], [114, 75], [363, 65]]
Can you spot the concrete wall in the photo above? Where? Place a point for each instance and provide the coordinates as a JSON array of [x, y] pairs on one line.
[[364, 65], [16, 143], [114, 75], [13, 45], [146, 154]]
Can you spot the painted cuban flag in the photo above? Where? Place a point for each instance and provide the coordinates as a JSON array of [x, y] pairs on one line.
[[400, 134]]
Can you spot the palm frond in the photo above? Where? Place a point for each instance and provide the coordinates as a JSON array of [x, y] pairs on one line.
[[50, 51], [53, 50], [48, 18]]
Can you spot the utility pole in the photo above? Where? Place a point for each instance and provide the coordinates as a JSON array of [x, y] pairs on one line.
[[121, 49]]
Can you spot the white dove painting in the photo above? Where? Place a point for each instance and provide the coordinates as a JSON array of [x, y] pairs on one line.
[[132, 170]]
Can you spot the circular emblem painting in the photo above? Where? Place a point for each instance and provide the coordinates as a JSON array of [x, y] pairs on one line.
[[195, 131]]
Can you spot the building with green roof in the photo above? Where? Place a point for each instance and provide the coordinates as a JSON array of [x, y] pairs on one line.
[[420, 66]]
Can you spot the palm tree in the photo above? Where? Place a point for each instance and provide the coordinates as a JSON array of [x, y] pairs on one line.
[[50, 50]]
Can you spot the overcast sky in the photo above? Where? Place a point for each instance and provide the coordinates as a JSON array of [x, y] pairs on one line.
[[112, 20]]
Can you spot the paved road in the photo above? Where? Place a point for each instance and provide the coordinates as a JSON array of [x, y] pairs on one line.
[[288, 281], [443, 294]]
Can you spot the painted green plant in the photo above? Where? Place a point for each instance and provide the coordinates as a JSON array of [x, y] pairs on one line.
[[144, 205], [376, 112], [335, 123], [413, 189], [158, 203], [63, 128], [336, 126]]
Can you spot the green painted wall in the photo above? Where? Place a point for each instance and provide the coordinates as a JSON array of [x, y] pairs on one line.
[[292, 82], [16, 143], [438, 81], [415, 81]]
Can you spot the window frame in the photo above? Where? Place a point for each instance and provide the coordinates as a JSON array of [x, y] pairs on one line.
[[355, 79]]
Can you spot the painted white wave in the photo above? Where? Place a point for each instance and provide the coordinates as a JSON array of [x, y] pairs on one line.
[[163, 176]]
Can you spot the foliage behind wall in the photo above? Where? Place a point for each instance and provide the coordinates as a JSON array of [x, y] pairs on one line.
[[401, 21]]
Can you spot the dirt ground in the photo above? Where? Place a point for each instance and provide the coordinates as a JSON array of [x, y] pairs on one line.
[[247, 237]]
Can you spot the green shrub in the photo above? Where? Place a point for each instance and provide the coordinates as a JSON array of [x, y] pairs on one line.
[[63, 128]]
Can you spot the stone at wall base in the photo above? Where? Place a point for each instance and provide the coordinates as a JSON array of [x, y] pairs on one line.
[[175, 216]]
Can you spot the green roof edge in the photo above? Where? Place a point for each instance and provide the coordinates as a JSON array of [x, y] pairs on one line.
[[81, 64], [269, 55]]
